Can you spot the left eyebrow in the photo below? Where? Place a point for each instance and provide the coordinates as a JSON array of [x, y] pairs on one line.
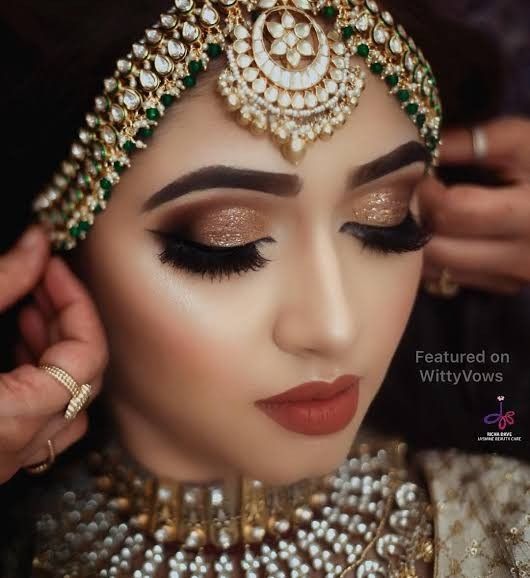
[[404, 155]]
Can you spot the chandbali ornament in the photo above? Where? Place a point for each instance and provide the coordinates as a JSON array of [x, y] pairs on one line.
[[295, 70], [367, 518]]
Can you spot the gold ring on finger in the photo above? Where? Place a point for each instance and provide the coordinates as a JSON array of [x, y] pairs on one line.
[[444, 286], [41, 467], [80, 394]]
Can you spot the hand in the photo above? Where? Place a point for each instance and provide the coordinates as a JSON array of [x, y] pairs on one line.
[[482, 234], [61, 328]]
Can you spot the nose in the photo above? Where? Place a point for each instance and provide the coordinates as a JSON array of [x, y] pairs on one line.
[[316, 315]]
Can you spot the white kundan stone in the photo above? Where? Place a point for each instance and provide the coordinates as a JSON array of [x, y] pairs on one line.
[[140, 51], [250, 74], [131, 99], [148, 79], [298, 101], [362, 23], [190, 32], [163, 65], [176, 49], [184, 5], [284, 99], [209, 15], [271, 94], [380, 34], [153, 35], [395, 44], [259, 85]]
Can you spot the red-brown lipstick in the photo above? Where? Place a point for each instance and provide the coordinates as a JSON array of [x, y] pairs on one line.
[[315, 407]]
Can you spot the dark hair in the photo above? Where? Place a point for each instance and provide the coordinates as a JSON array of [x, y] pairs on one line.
[[58, 58]]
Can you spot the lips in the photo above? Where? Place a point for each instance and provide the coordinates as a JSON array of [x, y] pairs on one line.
[[314, 408]]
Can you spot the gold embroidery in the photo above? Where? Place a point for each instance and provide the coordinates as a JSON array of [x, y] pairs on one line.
[[482, 514]]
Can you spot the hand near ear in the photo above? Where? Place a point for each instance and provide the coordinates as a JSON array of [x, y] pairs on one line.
[[60, 328], [482, 234]]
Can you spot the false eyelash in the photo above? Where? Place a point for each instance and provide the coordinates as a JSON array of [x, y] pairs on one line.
[[219, 262], [215, 262], [407, 236]]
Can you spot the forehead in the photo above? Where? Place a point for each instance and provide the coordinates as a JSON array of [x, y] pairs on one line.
[[200, 130]]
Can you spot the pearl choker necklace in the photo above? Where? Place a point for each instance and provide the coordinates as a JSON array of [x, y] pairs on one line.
[[365, 517]]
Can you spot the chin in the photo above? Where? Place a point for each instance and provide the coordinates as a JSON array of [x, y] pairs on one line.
[[312, 456]]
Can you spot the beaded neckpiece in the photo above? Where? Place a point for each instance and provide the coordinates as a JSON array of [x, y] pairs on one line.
[[293, 71], [366, 518]]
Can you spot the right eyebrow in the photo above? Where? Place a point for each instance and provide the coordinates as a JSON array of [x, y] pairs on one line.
[[406, 154], [226, 177]]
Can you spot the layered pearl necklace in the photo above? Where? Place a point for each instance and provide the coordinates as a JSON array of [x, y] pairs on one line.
[[364, 520]]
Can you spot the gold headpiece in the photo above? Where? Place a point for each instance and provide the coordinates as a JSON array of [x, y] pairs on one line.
[[286, 75]]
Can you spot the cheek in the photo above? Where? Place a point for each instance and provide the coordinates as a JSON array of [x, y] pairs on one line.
[[390, 290], [176, 332]]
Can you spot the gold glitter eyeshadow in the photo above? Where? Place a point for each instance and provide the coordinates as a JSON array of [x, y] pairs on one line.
[[381, 209], [228, 227]]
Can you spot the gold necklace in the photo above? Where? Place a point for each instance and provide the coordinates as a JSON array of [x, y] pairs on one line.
[[365, 517]]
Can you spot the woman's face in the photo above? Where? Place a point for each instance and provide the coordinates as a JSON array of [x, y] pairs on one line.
[[198, 337]]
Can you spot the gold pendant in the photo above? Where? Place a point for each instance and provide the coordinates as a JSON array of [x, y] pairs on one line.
[[286, 76]]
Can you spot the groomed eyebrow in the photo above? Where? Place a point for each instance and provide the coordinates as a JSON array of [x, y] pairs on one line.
[[280, 184], [226, 177], [404, 155]]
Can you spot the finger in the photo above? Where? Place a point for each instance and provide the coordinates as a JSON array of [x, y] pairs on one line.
[[473, 211], [504, 137], [29, 391], [82, 352], [22, 354], [483, 282], [43, 302], [23, 265], [63, 435], [492, 257], [33, 329]]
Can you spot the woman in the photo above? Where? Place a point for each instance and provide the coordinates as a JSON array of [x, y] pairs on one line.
[[298, 259]]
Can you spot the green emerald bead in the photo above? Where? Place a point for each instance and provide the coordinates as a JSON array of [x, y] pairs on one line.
[[106, 195], [106, 185], [78, 194], [195, 66], [129, 146], [347, 32], [420, 119], [189, 81], [97, 209], [118, 167], [403, 95], [86, 179], [213, 50], [74, 231], [152, 114], [363, 50], [329, 12], [412, 108], [145, 132], [392, 79], [84, 226], [167, 99], [376, 68]]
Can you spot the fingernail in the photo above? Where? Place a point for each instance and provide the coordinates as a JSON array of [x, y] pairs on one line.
[[30, 239]]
